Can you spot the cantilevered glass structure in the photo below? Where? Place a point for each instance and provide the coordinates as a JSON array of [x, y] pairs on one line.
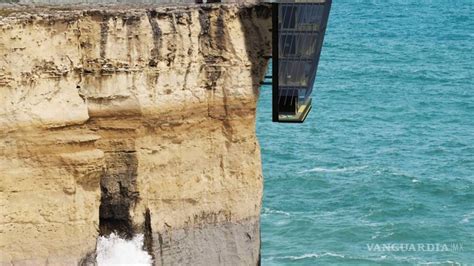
[[298, 33]]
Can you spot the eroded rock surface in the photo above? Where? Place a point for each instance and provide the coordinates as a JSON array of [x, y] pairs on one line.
[[135, 120]]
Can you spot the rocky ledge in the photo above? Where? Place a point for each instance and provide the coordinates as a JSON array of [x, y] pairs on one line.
[[131, 119]]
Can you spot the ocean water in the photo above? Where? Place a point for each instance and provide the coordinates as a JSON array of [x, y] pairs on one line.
[[386, 156]]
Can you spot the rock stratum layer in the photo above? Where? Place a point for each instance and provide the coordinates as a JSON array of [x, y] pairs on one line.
[[131, 119]]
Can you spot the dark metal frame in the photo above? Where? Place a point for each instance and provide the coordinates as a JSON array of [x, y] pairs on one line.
[[275, 65]]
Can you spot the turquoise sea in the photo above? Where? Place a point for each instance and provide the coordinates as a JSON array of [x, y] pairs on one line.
[[386, 156]]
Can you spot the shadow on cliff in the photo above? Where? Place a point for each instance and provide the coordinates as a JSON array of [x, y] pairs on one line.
[[256, 22]]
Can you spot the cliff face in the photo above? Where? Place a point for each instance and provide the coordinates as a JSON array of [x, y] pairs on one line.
[[139, 120]]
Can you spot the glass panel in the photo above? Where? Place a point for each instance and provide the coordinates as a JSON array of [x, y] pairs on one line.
[[289, 16], [295, 73], [298, 45], [288, 45], [287, 102], [305, 45], [309, 17]]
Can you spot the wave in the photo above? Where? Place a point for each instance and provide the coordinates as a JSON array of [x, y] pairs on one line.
[[448, 262], [312, 255], [334, 170], [271, 211], [368, 259], [467, 217], [113, 250]]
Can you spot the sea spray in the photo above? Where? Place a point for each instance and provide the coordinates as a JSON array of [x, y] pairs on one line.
[[113, 250]]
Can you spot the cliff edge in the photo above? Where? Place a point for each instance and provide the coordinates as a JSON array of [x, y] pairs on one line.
[[131, 119]]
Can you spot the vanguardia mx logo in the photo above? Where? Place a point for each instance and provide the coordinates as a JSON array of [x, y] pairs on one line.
[[415, 247]]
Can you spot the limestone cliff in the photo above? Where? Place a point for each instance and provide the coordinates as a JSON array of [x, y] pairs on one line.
[[136, 119]]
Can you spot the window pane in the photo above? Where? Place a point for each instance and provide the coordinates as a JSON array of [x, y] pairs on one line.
[[289, 16]]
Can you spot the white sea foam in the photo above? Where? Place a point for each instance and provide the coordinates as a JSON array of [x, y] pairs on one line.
[[271, 211], [334, 170], [313, 255], [467, 218], [113, 250]]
